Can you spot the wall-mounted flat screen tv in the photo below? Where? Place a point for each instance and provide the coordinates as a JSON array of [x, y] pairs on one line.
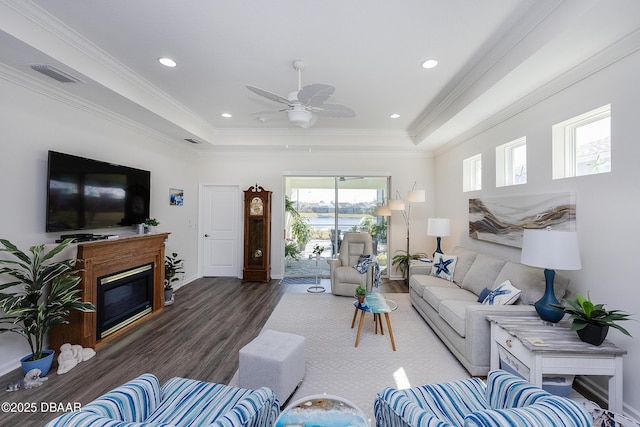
[[87, 194]]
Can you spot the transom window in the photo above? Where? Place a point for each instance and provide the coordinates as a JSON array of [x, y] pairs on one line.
[[472, 173], [582, 144], [511, 163]]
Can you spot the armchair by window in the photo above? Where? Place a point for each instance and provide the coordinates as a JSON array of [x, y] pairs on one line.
[[344, 278]]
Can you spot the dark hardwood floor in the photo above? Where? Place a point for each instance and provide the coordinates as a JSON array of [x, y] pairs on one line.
[[198, 337]]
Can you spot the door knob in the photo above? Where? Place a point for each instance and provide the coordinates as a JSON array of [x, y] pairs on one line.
[[206, 235]]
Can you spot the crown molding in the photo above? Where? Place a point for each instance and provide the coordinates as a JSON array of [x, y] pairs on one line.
[[42, 88], [29, 23], [489, 65], [594, 64]]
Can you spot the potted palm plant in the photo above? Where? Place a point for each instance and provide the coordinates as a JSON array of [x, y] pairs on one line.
[[39, 295], [591, 321], [361, 292], [172, 267], [403, 259]]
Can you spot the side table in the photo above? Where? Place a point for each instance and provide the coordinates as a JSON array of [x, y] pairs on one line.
[[375, 303], [552, 348], [316, 288]]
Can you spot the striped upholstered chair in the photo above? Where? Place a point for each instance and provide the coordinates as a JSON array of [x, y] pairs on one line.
[[179, 402], [504, 400]]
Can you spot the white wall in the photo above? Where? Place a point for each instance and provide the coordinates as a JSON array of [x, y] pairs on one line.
[[31, 124], [607, 204], [267, 170]]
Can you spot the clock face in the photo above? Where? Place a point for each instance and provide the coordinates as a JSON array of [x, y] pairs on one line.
[[256, 206]]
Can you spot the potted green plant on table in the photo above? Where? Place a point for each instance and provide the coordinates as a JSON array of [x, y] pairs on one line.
[[40, 293], [151, 224], [360, 294], [172, 267], [317, 251], [591, 321]]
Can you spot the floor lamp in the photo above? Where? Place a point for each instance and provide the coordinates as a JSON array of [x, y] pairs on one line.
[[398, 204], [550, 249]]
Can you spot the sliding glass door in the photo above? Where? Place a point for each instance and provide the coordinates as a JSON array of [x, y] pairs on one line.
[[320, 209]]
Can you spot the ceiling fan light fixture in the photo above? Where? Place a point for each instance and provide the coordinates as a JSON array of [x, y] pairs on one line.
[[301, 118]]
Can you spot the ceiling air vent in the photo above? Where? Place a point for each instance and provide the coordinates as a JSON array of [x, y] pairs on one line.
[[193, 141], [54, 73]]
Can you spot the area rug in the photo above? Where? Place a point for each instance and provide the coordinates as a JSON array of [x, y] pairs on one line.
[[334, 366]]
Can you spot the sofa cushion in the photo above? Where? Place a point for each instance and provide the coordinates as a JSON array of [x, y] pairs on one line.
[[419, 282], [192, 402], [434, 294], [449, 402], [530, 280], [444, 266], [504, 294], [483, 273], [348, 275], [453, 311], [465, 259]]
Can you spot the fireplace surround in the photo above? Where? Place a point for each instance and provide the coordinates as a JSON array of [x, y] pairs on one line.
[[103, 258]]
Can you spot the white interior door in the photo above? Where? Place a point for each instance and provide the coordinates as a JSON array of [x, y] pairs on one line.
[[220, 213]]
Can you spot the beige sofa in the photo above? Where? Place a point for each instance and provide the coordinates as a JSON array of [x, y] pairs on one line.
[[452, 309]]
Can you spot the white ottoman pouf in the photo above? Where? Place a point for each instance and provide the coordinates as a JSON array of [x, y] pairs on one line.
[[275, 360]]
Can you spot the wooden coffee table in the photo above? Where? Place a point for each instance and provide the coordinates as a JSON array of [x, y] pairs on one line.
[[374, 303]]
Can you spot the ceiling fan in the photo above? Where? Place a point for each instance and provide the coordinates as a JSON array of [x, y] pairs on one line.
[[307, 103]]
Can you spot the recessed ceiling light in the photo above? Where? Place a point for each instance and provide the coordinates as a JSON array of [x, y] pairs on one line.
[[394, 115], [226, 115], [429, 63], [167, 62]]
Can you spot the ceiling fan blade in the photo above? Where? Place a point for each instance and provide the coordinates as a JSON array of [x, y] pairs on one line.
[[269, 95], [334, 110], [315, 94], [260, 113]]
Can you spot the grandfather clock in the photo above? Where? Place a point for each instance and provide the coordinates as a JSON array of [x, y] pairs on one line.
[[257, 235]]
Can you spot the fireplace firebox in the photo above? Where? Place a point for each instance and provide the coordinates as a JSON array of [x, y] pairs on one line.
[[123, 298]]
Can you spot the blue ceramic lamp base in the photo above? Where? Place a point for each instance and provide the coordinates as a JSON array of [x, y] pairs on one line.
[[545, 311], [438, 250]]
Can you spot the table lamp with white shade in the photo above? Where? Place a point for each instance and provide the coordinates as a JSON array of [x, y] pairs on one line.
[[438, 227], [551, 250]]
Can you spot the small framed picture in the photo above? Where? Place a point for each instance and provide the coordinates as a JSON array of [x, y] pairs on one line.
[[176, 197]]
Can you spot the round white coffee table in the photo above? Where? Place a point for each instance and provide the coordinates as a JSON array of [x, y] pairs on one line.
[[322, 410]]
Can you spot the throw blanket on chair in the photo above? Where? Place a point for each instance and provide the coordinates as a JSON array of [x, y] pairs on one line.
[[363, 264]]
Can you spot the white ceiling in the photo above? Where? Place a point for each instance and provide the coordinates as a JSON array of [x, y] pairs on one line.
[[496, 57]]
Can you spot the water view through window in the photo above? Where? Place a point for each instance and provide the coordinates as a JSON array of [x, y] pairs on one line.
[[319, 210]]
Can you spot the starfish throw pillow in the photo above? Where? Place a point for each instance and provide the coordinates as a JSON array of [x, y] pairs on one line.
[[504, 294], [444, 266]]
